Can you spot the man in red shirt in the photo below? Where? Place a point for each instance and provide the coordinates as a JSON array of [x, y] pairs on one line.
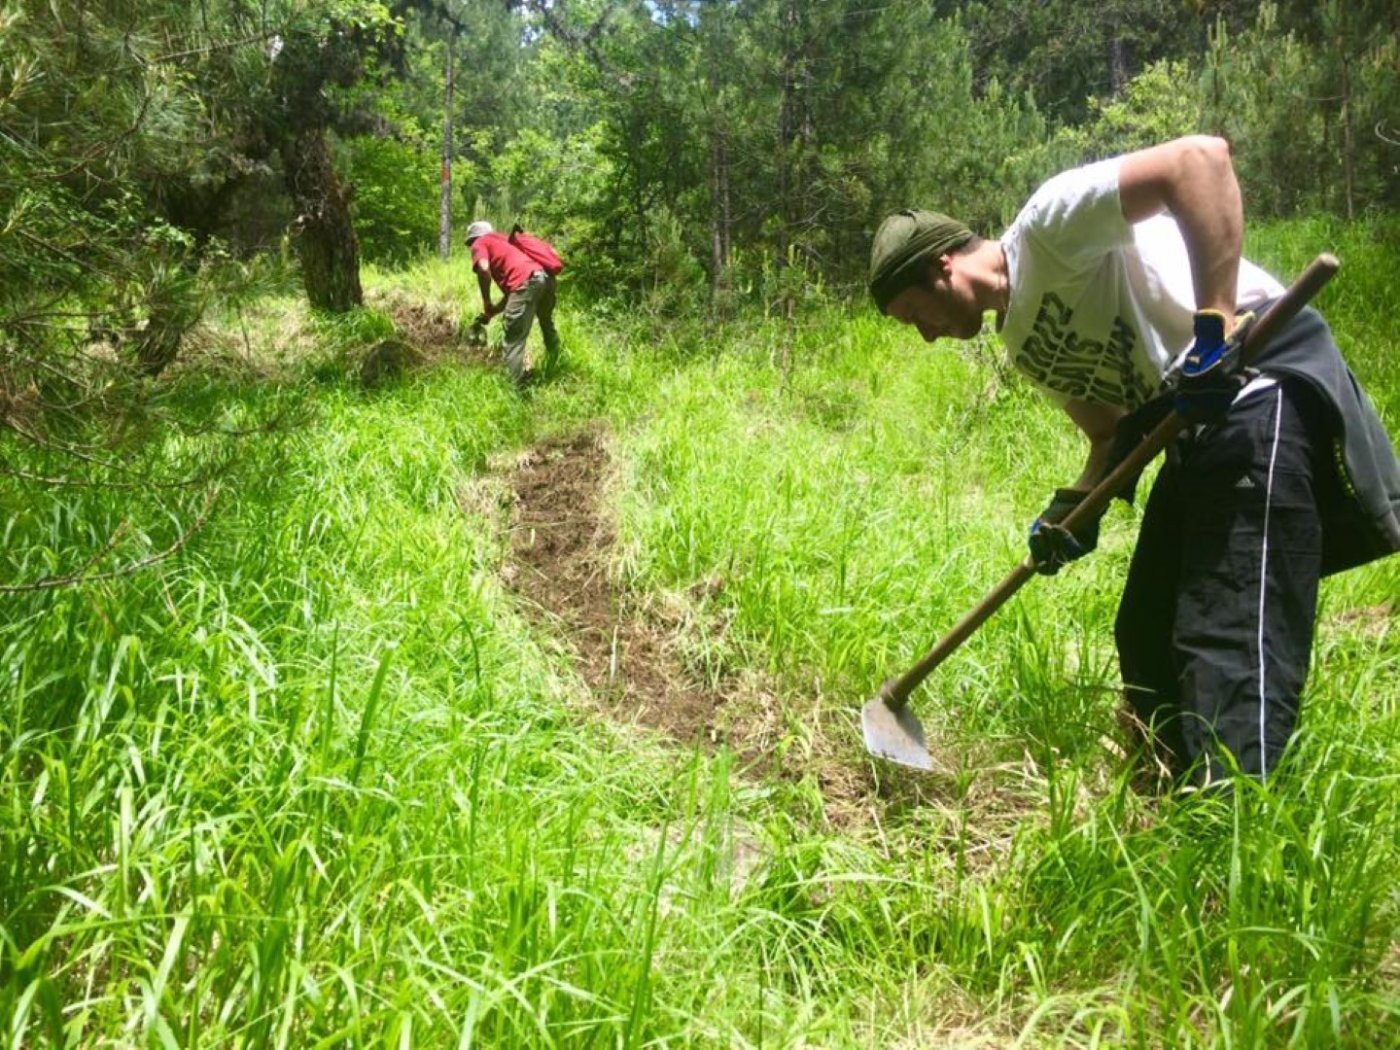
[[528, 293]]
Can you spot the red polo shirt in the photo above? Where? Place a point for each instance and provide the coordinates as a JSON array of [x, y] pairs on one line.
[[508, 266]]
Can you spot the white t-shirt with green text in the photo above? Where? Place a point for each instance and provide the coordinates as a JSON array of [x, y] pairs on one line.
[[1099, 306]]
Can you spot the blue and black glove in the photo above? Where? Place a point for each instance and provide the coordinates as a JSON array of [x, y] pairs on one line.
[[1052, 545], [1212, 373]]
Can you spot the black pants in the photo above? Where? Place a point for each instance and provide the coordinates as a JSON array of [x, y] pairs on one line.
[[1216, 623]]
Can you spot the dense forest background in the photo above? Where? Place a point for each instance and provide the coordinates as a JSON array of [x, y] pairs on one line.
[[685, 155]]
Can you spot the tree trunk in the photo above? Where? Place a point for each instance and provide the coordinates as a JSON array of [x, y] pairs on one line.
[[1120, 63], [1348, 142], [719, 189], [797, 133], [325, 237], [445, 218], [787, 130], [720, 221]]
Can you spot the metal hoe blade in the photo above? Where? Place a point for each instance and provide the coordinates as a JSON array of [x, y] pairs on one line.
[[894, 733]]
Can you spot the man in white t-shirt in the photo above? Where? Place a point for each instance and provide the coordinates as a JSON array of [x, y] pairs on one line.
[[1121, 280]]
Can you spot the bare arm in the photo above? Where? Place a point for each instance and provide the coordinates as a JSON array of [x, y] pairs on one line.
[[483, 280], [1193, 179], [1098, 422]]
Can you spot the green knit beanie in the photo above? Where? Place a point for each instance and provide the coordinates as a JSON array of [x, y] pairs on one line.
[[903, 246]]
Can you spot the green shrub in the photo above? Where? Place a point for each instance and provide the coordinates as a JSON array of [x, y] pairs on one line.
[[397, 199]]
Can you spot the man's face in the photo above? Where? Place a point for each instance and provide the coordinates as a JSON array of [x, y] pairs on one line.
[[941, 306]]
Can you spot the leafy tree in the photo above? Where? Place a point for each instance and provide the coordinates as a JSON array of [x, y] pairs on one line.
[[127, 129], [1162, 102], [483, 43], [94, 111], [1067, 52], [1305, 94], [395, 205], [771, 136]]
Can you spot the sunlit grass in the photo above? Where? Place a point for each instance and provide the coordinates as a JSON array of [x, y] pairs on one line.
[[316, 780]]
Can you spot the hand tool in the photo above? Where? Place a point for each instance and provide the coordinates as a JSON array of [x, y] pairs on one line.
[[890, 728]]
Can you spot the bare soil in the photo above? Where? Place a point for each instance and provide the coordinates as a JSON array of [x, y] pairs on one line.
[[627, 647], [561, 544], [434, 332]]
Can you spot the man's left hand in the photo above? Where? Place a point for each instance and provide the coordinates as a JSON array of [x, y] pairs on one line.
[[1212, 373], [1053, 546]]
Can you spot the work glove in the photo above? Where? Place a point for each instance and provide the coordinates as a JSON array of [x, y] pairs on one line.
[[1212, 373], [476, 333], [1052, 545]]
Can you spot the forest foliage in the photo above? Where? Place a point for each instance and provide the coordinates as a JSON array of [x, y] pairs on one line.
[[699, 155]]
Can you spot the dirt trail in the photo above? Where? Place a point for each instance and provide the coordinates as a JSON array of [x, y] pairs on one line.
[[560, 544], [628, 646], [627, 654]]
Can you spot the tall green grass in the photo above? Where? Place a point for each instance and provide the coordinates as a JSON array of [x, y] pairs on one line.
[[315, 780], [851, 511]]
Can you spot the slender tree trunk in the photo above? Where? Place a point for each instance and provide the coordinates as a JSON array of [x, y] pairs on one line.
[[797, 130], [719, 191], [635, 174], [1348, 142], [445, 218], [325, 237], [717, 265], [1120, 63], [787, 130], [721, 216], [726, 211]]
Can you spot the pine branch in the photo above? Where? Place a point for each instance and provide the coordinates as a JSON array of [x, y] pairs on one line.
[[83, 576]]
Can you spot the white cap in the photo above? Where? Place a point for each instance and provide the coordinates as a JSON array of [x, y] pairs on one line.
[[479, 229]]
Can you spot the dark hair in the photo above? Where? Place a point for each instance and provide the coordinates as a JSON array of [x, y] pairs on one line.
[[962, 249]]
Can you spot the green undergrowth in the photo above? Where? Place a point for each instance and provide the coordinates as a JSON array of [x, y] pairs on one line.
[[312, 778]]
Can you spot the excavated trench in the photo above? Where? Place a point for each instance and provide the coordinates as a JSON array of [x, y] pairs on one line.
[[629, 654]]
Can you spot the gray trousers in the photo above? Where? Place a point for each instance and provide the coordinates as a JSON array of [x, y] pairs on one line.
[[536, 299]]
